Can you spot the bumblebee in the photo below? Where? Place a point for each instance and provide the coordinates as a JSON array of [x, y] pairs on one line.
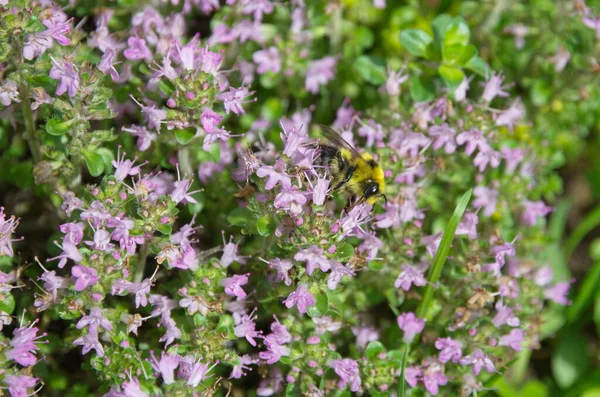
[[358, 175]]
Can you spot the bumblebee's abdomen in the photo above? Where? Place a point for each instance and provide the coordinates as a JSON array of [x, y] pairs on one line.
[[339, 166]]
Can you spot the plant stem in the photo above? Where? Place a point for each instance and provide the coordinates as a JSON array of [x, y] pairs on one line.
[[141, 264], [32, 141], [492, 20]]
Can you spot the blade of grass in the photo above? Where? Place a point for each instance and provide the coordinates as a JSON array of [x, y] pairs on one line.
[[402, 381], [558, 220], [585, 295], [442, 253], [589, 223]]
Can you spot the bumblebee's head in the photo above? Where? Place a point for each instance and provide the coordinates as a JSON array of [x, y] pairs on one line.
[[372, 192]]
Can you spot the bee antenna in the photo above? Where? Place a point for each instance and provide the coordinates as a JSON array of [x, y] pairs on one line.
[[384, 198]]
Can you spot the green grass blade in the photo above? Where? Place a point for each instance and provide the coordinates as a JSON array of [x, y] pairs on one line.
[[558, 220], [402, 381], [589, 223], [442, 253], [585, 295]]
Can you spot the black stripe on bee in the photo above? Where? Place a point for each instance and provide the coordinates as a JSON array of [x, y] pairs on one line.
[[326, 155], [372, 163]]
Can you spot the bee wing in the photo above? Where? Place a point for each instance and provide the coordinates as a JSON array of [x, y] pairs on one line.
[[334, 137]]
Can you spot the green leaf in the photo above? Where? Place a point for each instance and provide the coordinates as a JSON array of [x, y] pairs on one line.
[[164, 229], [270, 80], [478, 65], [442, 253], [452, 53], [452, 76], [184, 136], [321, 305], [589, 223], [225, 324], [440, 25], [58, 127], [595, 392], [585, 295], [94, 162], [266, 226], [457, 32], [370, 71], [535, 388], [240, 217], [289, 390], [469, 53], [415, 41], [570, 359], [107, 156], [344, 251], [7, 303], [421, 89], [373, 349]]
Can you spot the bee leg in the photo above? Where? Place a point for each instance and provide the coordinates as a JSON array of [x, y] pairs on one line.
[[349, 204]]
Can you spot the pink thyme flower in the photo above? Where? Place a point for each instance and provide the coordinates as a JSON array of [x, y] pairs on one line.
[[153, 116], [486, 157], [393, 82], [123, 167], [314, 258], [137, 49], [193, 371], [210, 120], [181, 190], [268, 60], [94, 320], [474, 139], [233, 99], [514, 340], [233, 285], [23, 345], [337, 272], [412, 375], [364, 335], [512, 157], [132, 388], [408, 276], [274, 351], [141, 290], [558, 293], [230, 253], [320, 72], [450, 349], [107, 64], [68, 76], [282, 267], [300, 298], [372, 131], [468, 225], [172, 331], [411, 325], [9, 93], [478, 360], [290, 200], [238, 370], [493, 88], [18, 385], [275, 175], [460, 93], [84, 277], [348, 372], [444, 137], [505, 316], [89, 342], [166, 366], [510, 116], [433, 377], [532, 210], [246, 328], [143, 135], [7, 228], [486, 198], [52, 283]]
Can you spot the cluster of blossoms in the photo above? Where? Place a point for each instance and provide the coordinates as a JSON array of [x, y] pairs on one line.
[[311, 298]]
